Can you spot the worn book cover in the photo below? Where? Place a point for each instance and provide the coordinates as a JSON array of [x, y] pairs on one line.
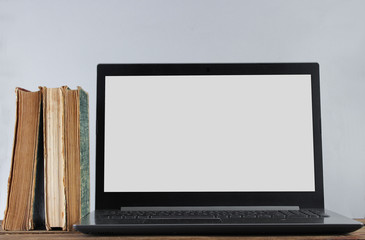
[[77, 154], [24, 209], [54, 157]]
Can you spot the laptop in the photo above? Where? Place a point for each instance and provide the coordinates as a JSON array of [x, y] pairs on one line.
[[210, 149]]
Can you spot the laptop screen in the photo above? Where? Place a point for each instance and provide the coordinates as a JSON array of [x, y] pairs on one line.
[[209, 133]]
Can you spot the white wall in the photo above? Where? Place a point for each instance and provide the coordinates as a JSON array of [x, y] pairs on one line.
[[54, 43]]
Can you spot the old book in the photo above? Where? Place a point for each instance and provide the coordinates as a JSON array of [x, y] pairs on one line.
[[24, 209], [54, 157], [66, 153], [77, 155]]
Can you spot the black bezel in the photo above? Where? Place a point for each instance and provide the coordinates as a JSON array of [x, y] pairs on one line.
[[114, 200]]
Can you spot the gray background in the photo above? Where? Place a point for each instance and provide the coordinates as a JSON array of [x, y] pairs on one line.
[[54, 43]]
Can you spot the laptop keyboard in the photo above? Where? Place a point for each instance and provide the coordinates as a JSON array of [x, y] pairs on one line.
[[280, 214]]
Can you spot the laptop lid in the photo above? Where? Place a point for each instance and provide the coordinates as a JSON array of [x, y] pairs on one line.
[[208, 135]]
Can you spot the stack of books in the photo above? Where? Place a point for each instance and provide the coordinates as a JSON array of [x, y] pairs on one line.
[[49, 183]]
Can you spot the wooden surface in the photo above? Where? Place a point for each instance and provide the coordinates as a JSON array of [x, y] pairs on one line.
[[48, 235]]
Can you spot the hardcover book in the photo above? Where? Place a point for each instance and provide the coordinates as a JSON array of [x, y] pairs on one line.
[[24, 201], [77, 155], [54, 157]]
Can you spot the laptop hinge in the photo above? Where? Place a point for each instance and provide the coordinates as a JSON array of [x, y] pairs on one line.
[[210, 208]]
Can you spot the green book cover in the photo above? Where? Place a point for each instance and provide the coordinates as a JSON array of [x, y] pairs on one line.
[[84, 152]]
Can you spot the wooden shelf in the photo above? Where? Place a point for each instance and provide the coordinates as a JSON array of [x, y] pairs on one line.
[[48, 235]]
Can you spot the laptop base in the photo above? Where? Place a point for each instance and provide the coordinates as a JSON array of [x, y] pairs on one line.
[[333, 224]]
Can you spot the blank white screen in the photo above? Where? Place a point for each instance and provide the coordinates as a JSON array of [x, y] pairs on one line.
[[208, 133]]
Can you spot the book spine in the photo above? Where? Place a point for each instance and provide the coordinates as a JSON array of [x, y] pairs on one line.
[[84, 152]]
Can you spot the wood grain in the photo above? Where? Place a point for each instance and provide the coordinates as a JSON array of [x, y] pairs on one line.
[[48, 235]]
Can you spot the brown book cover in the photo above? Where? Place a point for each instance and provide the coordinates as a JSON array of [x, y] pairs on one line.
[[77, 155], [26, 155]]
